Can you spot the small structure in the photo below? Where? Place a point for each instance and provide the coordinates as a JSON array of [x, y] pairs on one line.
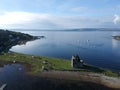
[[76, 62]]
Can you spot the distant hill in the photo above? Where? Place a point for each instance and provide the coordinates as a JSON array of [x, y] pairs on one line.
[[77, 29]]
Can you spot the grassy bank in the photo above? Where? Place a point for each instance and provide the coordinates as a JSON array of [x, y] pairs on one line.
[[39, 63]]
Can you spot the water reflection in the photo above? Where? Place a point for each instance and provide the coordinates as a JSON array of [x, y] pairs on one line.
[[114, 42]]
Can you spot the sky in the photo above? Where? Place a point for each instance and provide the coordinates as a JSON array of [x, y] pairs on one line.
[[59, 14]]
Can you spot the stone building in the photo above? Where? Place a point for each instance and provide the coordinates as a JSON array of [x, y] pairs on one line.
[[76, 62]]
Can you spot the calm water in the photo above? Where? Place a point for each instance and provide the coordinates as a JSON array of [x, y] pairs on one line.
[[94, 47]]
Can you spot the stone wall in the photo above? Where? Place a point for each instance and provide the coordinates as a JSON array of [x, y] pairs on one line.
[[76, 62]]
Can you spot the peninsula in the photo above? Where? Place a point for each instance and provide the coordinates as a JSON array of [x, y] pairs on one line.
[[11, 38]]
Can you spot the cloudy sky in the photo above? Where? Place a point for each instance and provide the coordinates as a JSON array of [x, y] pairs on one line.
[[59, 14]]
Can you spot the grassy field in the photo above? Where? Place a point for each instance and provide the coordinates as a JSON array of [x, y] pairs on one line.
[[37, 64]]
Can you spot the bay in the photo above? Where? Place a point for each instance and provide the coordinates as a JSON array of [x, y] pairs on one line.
[[94, 47]]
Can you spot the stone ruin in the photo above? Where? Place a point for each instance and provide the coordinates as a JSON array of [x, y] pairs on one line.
[[76, 62]]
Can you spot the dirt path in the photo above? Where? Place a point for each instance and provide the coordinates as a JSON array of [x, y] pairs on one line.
[[83, 77]]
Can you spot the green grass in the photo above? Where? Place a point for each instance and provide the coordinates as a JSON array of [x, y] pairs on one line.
[[100, 70], [36, 63], [110, 73]]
